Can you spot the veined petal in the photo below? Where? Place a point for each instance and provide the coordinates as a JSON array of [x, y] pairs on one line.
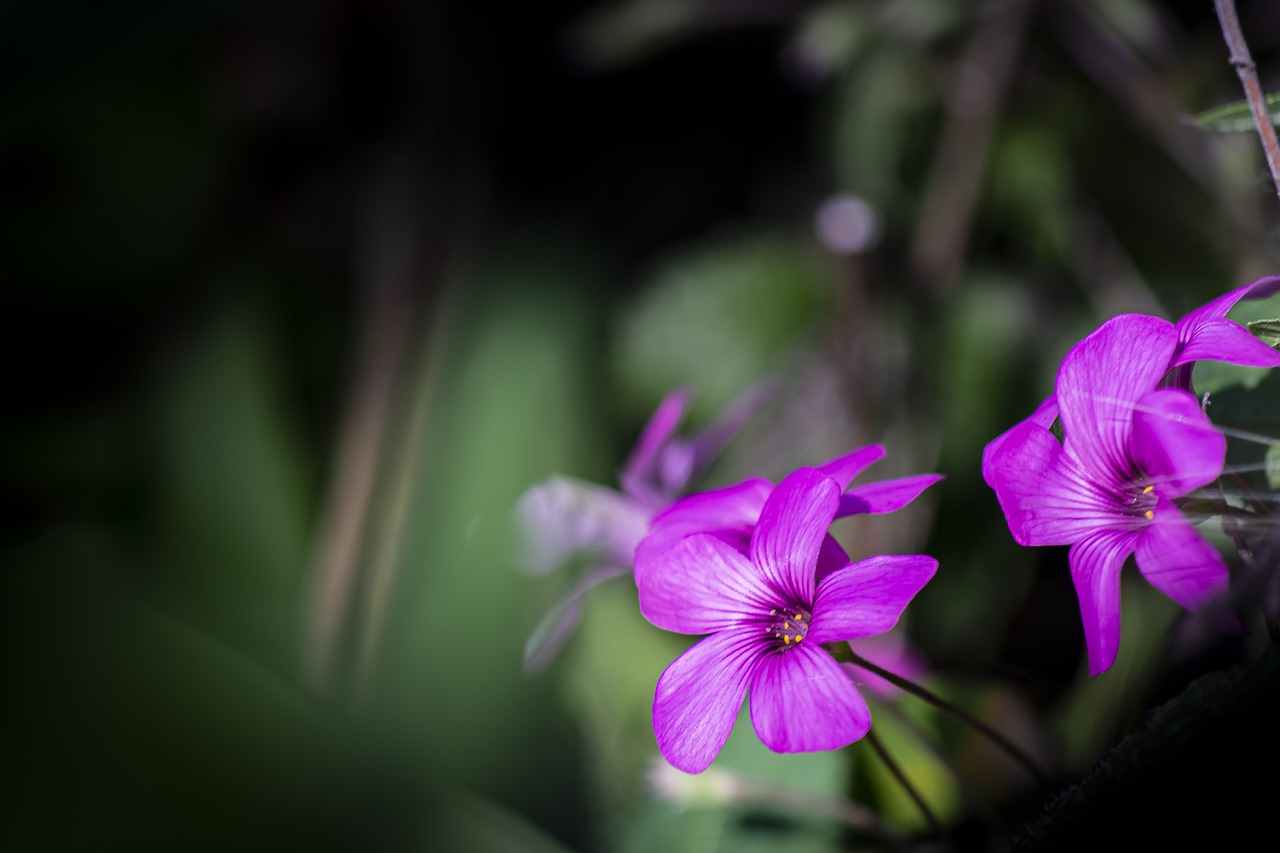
[[831, 557], [1188, 326], [1175, 444], [789, 534], [1226, 340], [1045, 495], [1044, 416], [868, 597], [698, 696], [638, 472], [1100, 380], [734, 507], [1095, 569], [884, 496], [802, 701], [845, 468], [701, 585], [1177, 560]]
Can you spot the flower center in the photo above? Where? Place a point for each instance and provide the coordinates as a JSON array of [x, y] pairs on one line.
[[790, 625], [1141, 500]]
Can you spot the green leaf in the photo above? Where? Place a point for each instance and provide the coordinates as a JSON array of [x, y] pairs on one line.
[[1236, 117], [720, 316], [1267, 330]]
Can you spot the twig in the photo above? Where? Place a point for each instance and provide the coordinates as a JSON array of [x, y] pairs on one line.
[[842, 652], [1248, 73]]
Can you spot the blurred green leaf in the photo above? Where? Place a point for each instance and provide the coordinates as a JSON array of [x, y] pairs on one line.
[[904, 731], [233, 514], [1099, 709], [719, 316], [1236, 117]]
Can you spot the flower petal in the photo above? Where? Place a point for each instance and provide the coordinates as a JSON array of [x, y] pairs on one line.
[[1178, 561], [1190, 325], [884, 496], [1227, 340], [868, 597], [802, 701], [1175, 444], [639, 473], [789, 534], [831, 557], [1044, 416], [1100, 380], [1095, 569], [845, 468], [561, 518], [700, 585], [698, 697], [734, 508], [1046, 498]]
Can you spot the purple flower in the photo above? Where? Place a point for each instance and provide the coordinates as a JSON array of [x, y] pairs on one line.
[[564, 518], [1131, 448], [766, 622], [1203, 335]]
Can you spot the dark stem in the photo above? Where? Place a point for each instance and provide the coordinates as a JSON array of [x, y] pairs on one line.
[[1248, 73], [1232, 528], [896, 771], [841, 652]]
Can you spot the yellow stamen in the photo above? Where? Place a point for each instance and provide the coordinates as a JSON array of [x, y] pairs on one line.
[[786, 624], [1147, 490], [787, 639], [799, 638], [799, 617], [1149, 514]]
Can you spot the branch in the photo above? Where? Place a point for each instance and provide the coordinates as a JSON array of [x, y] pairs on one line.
[[1243, 62]]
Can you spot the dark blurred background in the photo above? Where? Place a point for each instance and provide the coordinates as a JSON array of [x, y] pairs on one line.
[[298, 298]]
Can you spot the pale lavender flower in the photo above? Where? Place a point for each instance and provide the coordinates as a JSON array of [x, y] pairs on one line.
[[562, 518], [1131, 448], [766, 621]]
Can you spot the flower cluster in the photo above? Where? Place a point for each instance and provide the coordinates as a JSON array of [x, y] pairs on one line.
[[753, 569]]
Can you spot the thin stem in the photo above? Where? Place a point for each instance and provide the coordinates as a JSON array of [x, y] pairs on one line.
[[844, 654], [1248, 73], [892, 766]]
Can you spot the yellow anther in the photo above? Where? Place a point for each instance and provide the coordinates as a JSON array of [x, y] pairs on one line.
[[1147, 490], [786, 624], [799, 638], [1149, 514], [786, 639], [799, 617]]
